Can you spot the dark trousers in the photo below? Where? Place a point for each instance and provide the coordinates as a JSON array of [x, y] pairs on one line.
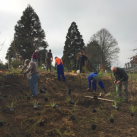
[[80, 67], [48, 64], [60, 71]]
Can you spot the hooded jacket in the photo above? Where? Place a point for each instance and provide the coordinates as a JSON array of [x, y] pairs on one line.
[[91, 77]]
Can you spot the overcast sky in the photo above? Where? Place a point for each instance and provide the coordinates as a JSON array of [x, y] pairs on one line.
[[119, 17]]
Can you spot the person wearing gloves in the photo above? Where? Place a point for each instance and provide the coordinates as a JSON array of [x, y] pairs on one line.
[[91, 79], [121, 79], [60, 68], [34, 75]]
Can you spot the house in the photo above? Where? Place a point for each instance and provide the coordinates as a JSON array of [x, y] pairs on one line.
[[131, 66]]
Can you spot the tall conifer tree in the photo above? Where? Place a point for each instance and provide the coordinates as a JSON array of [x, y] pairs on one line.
[[28, 35], [73, 44]]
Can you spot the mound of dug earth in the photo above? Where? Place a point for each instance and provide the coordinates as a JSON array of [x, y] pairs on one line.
[[46, 121]]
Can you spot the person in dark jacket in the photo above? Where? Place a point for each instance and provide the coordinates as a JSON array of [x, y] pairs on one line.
[[81, 61], [35, 56], [91, 79], [49, 59], [121, 79]]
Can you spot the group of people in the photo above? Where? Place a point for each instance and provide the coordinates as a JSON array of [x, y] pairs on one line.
[[121, 77]]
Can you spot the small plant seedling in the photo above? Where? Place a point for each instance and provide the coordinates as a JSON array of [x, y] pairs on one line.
[[53, 104], [11, 105], [112, 116], [68, 99], [133, 109], [115, 105], [57, 131], [35, 103]]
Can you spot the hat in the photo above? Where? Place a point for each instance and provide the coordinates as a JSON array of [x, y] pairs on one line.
[[26, 61]]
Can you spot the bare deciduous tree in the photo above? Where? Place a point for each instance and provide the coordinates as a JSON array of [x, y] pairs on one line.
[[108, 51]]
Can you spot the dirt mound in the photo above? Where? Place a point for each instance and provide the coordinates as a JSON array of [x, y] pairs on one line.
[[25, 121]]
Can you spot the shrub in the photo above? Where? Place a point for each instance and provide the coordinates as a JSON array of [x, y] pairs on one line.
[[2, 66], [15, 63]]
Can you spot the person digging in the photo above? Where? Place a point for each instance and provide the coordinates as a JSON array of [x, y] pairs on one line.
[[91, 79], [60, 68], [34, 75], [121, 79]]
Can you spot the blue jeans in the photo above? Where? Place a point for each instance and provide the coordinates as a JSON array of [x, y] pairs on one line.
[[60, 71], [34, 84], [34, 60]]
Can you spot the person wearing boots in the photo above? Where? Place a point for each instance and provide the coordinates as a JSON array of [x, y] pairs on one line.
[[91, 79], [34, 75], [121, 79], [81, 61], [49, 56], [60, 68]]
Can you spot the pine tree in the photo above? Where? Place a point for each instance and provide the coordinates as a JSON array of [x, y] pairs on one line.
[[28, 35], [73, 44]]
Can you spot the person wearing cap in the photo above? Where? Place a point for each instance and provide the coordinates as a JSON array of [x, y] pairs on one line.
[[49, 56], [121, 79], [60, 68], [34, 75], [35, 56], [81, 61], [91, 79]]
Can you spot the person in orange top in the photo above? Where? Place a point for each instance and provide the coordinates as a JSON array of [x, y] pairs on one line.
[[60, 68]]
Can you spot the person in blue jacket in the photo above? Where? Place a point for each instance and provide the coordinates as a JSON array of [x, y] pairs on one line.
[[91, 79]]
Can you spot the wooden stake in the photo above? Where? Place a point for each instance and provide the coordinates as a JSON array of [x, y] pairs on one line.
[[100, 98]]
